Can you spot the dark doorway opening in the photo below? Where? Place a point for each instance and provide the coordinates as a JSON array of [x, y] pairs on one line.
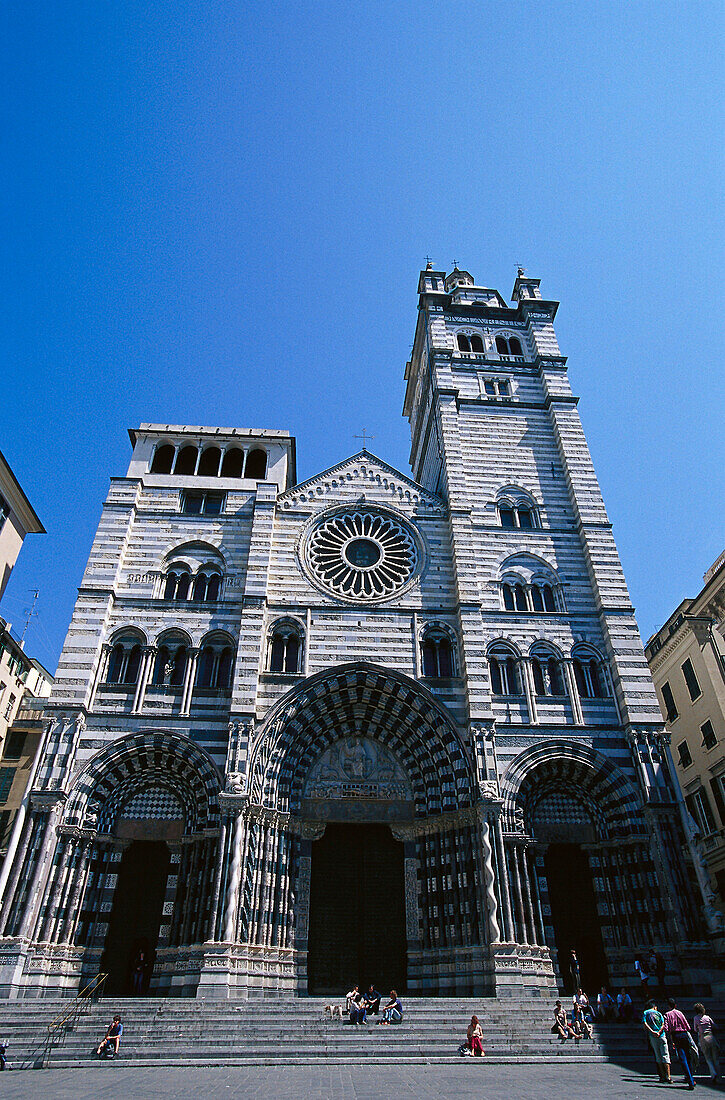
[[136, 914], [357, 911], [574, 915]]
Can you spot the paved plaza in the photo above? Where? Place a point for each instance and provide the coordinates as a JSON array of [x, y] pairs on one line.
[[435, 1082]]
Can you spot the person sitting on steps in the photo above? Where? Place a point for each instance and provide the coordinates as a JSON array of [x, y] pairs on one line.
[[474, 1040], [393, 1011], [372, 1001], [356, 1006], [561, 1027], [581, 1000], [580, 1024], [111, 1042], [605, 1004]]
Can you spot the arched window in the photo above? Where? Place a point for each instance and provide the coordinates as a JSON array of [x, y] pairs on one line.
[[212, 587], [463, 342], [209, 462], [520, 598], [437, 652], [233, 462], [516, 509], [170, 664], [177, 585], [588, 676], [256, 468], [548, 594], [548, 674], [508, 597], [537, 600], [515, 346], [504, 670], [215, 667], [538, 673], [477, 344], [502, 345], [199, 591], [285, 648], [556, 676], [163, 459], [124, 662], [186, 461]]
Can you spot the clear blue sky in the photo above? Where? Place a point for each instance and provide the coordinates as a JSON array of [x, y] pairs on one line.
[[215, 213]]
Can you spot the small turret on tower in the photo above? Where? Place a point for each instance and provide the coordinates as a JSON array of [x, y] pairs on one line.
[[525, 288]]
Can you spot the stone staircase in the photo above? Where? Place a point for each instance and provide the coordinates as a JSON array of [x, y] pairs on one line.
[[175, 1032]]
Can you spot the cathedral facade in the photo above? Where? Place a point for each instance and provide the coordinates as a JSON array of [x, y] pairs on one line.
[[368, 727]]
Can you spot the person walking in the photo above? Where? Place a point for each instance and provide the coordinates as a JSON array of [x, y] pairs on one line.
[[706, 1041], [643, 975], [654, 1025], [678, 1032]]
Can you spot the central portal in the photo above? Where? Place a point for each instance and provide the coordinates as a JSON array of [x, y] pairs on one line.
[[357, 911]]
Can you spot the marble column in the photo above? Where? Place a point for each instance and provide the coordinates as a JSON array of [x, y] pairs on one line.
[[218, 875], [80, 876], [148, 656], [489, 878], [47, 919], [234, 881], [520, 919], [35, 890], [192, 658], [509, 930]]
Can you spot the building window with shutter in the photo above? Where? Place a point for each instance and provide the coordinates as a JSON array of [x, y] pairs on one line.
[[684, 754], [691, 680], [668, 699], [709, 740]]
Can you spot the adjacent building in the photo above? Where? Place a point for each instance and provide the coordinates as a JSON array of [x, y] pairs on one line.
[[372, 726], [687, 660], [24, 688], [17, 519]]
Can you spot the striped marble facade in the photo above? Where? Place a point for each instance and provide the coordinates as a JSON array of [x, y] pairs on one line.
[[476, 772]]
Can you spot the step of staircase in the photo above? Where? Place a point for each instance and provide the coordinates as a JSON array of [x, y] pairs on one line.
[[173, 1032]]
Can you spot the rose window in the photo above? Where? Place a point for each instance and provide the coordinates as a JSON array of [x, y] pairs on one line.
[[362, 554]]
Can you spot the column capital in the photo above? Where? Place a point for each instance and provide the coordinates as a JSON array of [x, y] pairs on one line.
[[232, 803]]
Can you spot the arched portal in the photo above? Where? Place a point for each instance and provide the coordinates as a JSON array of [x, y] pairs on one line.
[[372, 773], [151, 802], [592, 858]]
